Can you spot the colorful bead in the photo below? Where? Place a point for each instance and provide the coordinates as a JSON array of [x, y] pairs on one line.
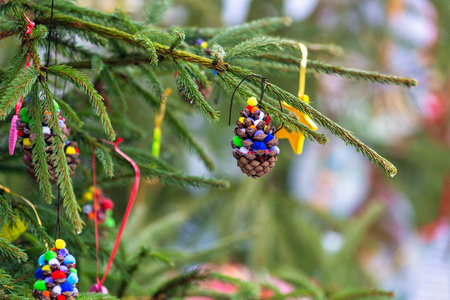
[[40, 285], [69, 259], [60, 244], [252, 101], [71, 150], [26, 142], [237, 141], [24, 115], [49, 255]]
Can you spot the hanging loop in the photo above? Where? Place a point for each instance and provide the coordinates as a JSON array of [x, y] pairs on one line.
[[263, 80]]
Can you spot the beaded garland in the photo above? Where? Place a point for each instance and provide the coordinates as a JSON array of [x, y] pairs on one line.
[[56, 277], [254, 146]]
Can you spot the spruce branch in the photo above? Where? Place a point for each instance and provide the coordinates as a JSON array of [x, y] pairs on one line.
[[21, 85], [62, 168], [189, 91], [179, 37], [9, 250], [82, 82], [39, 153], [179, 283], [361, 294], [356, 74], [228, 35]]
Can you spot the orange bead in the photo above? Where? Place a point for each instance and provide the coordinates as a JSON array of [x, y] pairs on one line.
[[254, 109], [46, 294]]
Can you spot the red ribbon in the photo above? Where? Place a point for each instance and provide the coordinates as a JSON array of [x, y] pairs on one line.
[[125, 217]]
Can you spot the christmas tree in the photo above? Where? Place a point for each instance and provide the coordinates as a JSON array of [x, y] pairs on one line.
[[103, 74]]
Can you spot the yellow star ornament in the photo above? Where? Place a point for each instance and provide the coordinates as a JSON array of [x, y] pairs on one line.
[[296, 139]]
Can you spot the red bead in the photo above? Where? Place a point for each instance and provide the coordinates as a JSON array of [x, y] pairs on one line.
[[107, 204], [268, 120], [61, 297], [20, 133], [249, 107], [58, 274]]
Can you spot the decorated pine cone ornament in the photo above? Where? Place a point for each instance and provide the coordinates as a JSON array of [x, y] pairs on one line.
[[56, 276], [105, 209], [25, 138], [254, 146]]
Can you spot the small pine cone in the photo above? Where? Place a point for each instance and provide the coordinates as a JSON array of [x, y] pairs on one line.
[[254, 146], [26, 139]]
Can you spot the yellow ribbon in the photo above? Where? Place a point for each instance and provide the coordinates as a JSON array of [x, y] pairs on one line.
[[27, 202], [296, 139], [156, 145], [301, 82]]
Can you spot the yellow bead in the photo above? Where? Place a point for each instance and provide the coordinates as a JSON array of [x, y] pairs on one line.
[[252, 101], [88, 196], [60, 244], [26, 142], [71, 150], [241, 119], [204, 44], [46, 268]]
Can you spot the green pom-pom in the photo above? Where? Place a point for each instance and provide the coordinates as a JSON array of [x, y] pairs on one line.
[[24, 115], [237, 141], [110, 222], [49, 255], [40, 285], [72, 270]]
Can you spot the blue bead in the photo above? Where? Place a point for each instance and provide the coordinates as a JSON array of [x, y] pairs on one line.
[[72, 278], [69, 259], [41, 260], [259, 146], [39, 274], [268, 138], [66, 287]]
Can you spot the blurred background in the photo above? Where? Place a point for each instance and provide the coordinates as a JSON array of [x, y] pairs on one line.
[[303, 213], [328, 212]]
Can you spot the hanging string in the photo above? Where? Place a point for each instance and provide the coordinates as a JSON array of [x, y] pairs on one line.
[[96, 205], [263, 81], [58, 223], [99, 286]]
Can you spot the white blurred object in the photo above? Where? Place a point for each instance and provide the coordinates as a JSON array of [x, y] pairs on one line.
[[235, 11], [332, 241], [430, 274], [299, 10], [334, 178]]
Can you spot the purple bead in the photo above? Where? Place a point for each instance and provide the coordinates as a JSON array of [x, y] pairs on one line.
[[63, 252], [49, 279], [63, 268], [199, 41], [258, 132]]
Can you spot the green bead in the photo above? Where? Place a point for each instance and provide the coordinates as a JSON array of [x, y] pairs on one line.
[[237, 141], [110, 222], [73, 270], [56, 105], [40, 285], [49, 255], [24, 115]]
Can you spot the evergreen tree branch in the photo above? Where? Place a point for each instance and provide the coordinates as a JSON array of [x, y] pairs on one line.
[[21, 85], [34, 108], [81, 81], [361, 294], [183, 281], [11, 251], [62, 168]]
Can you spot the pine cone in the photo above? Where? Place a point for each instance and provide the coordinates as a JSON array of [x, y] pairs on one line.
[[254, 146], [56, 277], [25, 138]]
